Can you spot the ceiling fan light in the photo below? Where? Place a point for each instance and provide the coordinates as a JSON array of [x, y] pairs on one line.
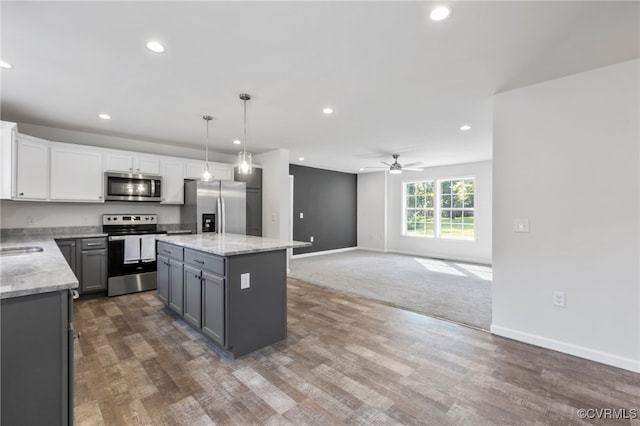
[[395, 171]]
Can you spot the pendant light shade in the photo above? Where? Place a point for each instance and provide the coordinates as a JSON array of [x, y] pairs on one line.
[[245, 166], [206, 175]]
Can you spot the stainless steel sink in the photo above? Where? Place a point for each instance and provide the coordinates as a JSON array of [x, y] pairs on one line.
[[15, 251]]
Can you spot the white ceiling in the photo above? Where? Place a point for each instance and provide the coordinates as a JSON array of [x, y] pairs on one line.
[[398, 82]]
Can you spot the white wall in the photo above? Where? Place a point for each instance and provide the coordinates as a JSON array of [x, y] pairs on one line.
[[13, 214], [566, 157], [465, 250], [276, 209], [372, 211]]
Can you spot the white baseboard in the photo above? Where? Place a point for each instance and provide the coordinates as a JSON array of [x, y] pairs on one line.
[[372, 249], [320, 253], [568, 348]]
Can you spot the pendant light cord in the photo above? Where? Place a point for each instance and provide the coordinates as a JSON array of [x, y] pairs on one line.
[[244, 148]]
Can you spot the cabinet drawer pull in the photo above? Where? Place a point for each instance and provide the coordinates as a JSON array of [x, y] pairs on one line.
[[22, 193], [166, 251], [94, 244], [199, 261]]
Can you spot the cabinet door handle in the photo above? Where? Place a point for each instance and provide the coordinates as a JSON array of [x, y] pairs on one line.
[[99, 197], [199, 261], [197, 276], [22, 193]]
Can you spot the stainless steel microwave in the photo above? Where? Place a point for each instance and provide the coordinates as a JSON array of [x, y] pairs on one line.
[[132, 187]]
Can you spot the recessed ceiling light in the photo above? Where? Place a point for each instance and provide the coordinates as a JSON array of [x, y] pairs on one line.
[[5, 65], [440, 13], [327, 110], [300, 158], [105, 116], [361, 168], [237, 142], [465, 127], [155, 47]]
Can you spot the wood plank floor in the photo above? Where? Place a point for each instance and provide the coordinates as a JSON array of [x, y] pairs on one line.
[[347, 360]]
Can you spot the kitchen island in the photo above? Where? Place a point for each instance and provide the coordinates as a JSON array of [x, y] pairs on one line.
[[36, 333], [231, 288]]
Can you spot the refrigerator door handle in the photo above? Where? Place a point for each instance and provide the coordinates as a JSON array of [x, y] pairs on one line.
[[224, 216], [219, 215]]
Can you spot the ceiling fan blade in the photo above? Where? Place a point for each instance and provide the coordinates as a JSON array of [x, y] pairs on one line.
[[384, 162], [375, 167], [412, 169], [417, 164]]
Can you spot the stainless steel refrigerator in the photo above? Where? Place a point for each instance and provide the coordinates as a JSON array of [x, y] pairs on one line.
[[216, 206]]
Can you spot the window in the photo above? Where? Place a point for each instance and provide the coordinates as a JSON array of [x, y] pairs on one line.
[[441, 209], [419, 208], [456, 208]]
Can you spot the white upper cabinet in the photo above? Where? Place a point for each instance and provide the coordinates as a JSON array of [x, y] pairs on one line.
[[172, 182], [32, 168], [76, 173], [126, 162], [193, 169], [219, 171], [8, 140]]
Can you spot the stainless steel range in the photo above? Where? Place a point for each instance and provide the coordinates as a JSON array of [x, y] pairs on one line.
[[132, 252]]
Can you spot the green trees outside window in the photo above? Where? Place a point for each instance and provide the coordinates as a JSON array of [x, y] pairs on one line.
[[451, 216]]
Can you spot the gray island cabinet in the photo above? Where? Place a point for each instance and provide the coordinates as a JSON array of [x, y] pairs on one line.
[[231, 288]]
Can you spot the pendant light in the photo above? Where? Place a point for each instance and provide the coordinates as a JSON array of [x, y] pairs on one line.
[[244, 157], [206, 175]]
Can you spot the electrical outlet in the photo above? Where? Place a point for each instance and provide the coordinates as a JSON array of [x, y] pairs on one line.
[[311, 239], [559, 299], [245, 281]]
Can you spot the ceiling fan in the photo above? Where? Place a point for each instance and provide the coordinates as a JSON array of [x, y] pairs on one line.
[[397, 168]]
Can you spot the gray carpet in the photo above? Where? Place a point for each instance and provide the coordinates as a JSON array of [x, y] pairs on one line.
[[454, 291]]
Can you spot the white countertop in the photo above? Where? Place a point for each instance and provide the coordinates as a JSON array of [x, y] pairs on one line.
[[230, 244], [34, 273]]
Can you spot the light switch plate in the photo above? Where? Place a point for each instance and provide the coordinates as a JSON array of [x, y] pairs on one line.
[[245, 281], [301, 215], [520, 225]]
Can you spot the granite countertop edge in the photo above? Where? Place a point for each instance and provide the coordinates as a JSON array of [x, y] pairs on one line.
[[35, 273], [233, 250]]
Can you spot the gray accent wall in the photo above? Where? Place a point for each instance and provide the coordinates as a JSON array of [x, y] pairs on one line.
[[329, 203]]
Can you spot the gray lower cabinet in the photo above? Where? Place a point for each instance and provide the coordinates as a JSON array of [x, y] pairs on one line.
[[170, 276], [94, 270], [213, 307], [193, 296], [68, 249], [87, 258], [163, 278], [36, 349]]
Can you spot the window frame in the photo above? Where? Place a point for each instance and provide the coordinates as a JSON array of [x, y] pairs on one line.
[[437, 208]]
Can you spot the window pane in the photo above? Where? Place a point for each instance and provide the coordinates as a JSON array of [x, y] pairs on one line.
[[446, 201], [445, 215], [411, 188], [420, 201], [411, 216], [446, 187], [411, 201]]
